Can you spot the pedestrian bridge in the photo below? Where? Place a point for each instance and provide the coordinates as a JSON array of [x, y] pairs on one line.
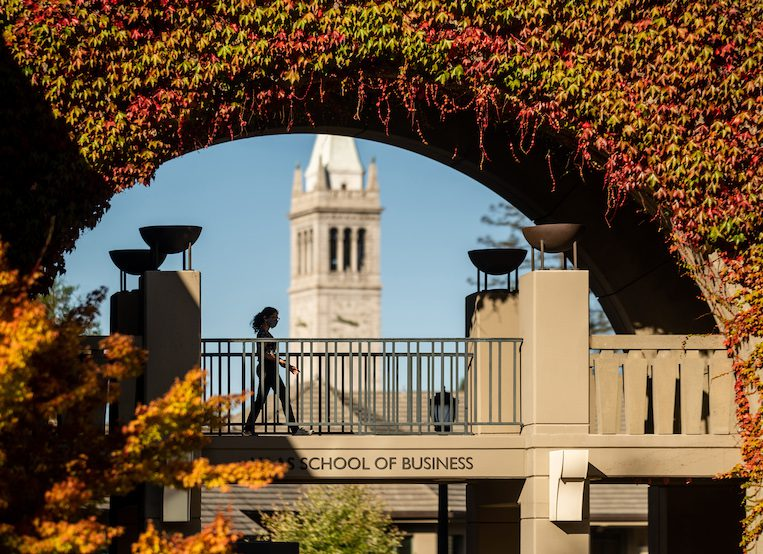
[[526, 422], [434, 409]]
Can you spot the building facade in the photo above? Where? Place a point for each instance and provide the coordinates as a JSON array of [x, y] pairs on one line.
[[335, 288]]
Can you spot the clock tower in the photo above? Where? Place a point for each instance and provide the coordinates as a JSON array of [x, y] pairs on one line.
[[335, 289]]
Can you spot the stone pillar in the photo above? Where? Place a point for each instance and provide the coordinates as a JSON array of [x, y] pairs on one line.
[[538, 534], [553, 315], [492, 516], [495, 314], [173, 339], [300, 253], [126, 319], [354, 250], [340, 249], [310, 251]]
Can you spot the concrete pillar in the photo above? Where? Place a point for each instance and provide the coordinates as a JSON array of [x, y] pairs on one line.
[[126, 319], [172, 328], [495, 314], [492, 517], [424, 543], [127, 312], [553, 311], [538, 534], [173, 339], [553, 315], [126, 511]]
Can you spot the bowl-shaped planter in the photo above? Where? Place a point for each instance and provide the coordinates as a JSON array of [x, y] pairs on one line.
[[497, 261], [170, 239], [136, 262], [556, 237]]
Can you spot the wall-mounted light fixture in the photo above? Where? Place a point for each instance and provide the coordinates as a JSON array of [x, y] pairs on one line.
[[567, 473]]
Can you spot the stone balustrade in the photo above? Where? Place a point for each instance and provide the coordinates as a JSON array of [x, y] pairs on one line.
[[661, 384]]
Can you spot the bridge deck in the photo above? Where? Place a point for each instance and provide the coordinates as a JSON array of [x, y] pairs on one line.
[[468, 457]]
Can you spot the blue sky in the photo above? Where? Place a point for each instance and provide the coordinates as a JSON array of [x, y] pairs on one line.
[[239, 192]]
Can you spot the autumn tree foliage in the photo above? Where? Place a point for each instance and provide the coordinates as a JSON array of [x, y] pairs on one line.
[[57, 463], [335, 519], [664, 98]]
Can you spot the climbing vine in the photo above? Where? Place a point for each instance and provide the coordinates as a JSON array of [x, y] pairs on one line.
[[665, 98]]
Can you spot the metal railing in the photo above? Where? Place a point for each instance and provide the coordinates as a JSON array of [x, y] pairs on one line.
[[369, 386]]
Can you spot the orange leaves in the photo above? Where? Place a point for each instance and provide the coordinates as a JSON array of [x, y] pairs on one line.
[[253, 474], [157, 441], [217, 538], [65, 498], [123, 359], [86, 536], [57, 463], [24, 330]]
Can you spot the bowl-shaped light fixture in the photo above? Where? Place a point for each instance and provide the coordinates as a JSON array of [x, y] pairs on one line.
[[556, 237], [136, 262], [497, 261], [170, 239]]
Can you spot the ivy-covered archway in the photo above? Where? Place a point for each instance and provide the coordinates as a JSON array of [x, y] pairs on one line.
[[660, 102]]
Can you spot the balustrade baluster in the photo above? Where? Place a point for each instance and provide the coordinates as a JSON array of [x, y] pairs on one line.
[[692, 377], [721, 392], [634, 387], [608, 391], [664, 375]]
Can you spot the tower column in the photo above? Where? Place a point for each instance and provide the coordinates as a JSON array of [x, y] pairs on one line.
[[340, 249], [310, 250], [300, 269], [353, 250], [303, 251]]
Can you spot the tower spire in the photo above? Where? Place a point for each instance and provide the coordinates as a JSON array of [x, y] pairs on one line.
[[321, 181], [296, 187], [338, 158], [372, 181]]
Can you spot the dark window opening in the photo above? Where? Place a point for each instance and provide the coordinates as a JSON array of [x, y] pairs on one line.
[[361, 248], [346, 262], [332, 249]]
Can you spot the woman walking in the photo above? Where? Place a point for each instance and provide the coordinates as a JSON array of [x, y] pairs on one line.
[[267, 369]]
